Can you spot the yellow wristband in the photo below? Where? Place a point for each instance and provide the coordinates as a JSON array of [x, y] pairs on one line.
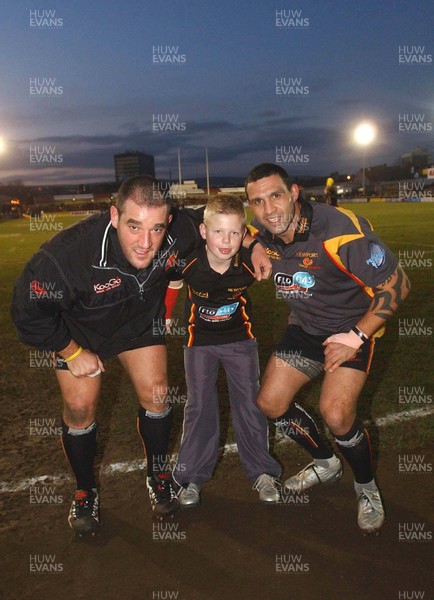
[[76, 353]]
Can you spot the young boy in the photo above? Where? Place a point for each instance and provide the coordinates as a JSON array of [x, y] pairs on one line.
[[219, 330]]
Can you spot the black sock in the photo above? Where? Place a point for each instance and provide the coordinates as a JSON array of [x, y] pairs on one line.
[[298, 425], [355, 446], [80, 448], [154, 429]]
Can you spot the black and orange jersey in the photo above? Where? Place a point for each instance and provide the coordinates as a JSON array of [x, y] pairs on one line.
[[217, 307], [328, 272]]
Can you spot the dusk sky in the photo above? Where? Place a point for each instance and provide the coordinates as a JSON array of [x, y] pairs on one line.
[[106, 73]]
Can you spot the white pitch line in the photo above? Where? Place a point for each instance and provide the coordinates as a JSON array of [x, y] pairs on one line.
[[140, 465]]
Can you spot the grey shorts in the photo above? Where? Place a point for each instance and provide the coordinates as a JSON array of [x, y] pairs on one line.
[[308, 366]]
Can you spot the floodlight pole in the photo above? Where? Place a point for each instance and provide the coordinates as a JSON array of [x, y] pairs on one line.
[[179, 167], [207, 171]]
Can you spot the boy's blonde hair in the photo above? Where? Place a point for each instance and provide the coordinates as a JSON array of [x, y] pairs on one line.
[[224, 205]]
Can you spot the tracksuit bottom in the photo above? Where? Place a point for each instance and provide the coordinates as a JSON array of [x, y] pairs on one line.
[[201, 431]]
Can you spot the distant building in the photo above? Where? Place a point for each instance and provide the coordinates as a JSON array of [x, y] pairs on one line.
[[380, 173], [417, 159], [133, 163]]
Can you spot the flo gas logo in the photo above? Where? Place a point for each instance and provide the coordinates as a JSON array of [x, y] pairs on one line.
[[45, 19], [414, 55], [291, 86], [45, 86], [414, 123], [167, 123], [168, 55], [291, 155], [291, 19]]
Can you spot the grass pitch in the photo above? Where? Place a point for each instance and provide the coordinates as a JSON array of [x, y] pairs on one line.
[[401, 376]]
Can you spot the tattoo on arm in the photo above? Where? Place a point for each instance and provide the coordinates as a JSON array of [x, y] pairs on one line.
[[385, 302]]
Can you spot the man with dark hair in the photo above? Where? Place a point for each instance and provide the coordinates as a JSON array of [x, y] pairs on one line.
[[342, 283], [97, 290], [109, 276]]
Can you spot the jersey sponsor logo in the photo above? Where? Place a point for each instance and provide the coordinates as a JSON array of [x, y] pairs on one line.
[[272, 254], [378, 256], [236, 292], [308, 259], [106, 287], [300, 281], [224, 313], [307, 254], [304, 280], [199, 294]]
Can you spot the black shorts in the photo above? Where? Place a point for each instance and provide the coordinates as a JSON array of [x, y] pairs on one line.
[[305, 352], [142, 342]]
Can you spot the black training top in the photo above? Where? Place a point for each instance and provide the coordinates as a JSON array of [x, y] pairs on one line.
[[80, 286], [217, 307]]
